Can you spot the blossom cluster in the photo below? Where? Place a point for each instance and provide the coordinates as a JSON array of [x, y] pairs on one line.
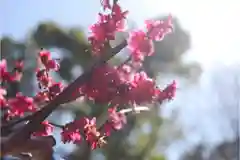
[[117, 86]]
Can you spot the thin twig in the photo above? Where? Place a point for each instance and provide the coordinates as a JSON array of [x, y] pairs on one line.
[[57, 125], [135, 109]]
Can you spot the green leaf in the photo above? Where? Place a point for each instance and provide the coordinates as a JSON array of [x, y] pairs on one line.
[[157, 157]]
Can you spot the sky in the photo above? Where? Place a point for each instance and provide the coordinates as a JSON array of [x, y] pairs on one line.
[[206, 111], [213, 26]]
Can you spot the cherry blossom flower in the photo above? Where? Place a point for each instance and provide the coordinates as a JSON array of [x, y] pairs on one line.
[[20, 104], [140, 45], [158, 29], [3, 101], [106, 4], [4, 74]]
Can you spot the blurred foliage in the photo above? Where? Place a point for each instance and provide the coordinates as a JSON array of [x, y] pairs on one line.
[[224, 151], [160, 157], [167, 59]]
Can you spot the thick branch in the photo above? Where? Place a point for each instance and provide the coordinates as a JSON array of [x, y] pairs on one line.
[[40, 147]]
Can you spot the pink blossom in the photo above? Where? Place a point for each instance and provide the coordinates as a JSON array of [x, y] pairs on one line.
[[105, 4], [143, 89], [140, 45], [70, 135], [45, 56], [55, 89], [168, 93], [116, 119], [4, 74], [71, 131], [3, 101], [158, 29], [21, 104], [52, 64]]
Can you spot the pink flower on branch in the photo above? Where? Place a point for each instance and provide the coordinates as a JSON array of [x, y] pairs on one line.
[[105, 4], [102, 83], [116, 119], [85, 126], [4, 75], [168, 93], [106, 27], [140, 45], [47, 61], [119, 16], [15, 75], [158, 29], [55, 89], [20, 105], [3, 101], [71, 132], [143, 89]]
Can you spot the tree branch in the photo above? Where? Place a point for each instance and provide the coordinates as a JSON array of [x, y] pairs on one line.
[[136, 109]]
